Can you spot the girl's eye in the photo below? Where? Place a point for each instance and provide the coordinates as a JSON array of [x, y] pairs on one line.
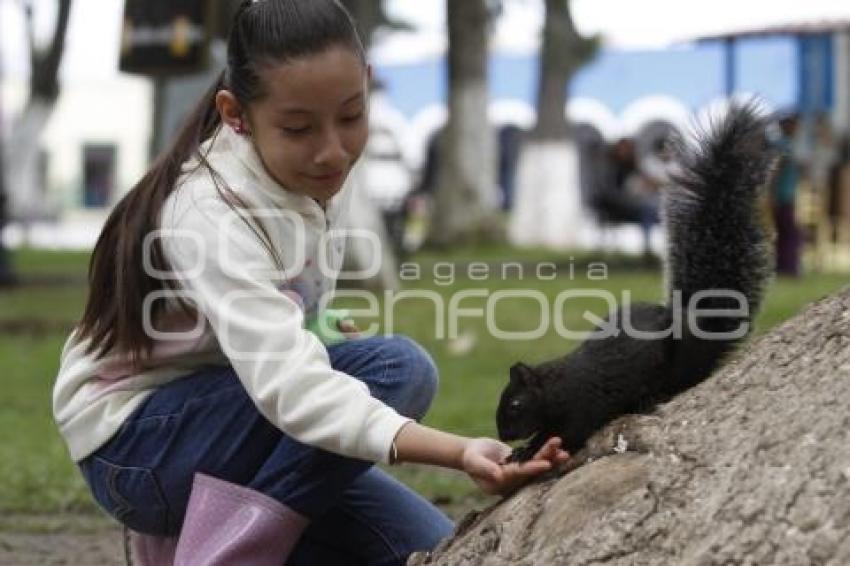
[[353, 118], [296, 131]]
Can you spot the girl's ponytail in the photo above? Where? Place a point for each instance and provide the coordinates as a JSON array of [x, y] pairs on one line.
[[118, 282]]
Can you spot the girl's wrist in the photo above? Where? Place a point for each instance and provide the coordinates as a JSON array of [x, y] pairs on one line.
[[458, 459], [424, 445]]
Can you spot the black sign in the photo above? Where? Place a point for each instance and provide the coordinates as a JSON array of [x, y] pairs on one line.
[[165, 37]]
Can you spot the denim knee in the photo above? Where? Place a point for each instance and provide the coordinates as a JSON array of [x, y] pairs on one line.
[[414, 375]]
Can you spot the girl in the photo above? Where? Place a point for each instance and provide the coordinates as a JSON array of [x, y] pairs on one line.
[[244, 439]]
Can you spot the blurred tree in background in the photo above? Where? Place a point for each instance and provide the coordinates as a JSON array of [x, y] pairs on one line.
[[371, 17], [466, 200], [563, 53], [548, 208], [24, 197]]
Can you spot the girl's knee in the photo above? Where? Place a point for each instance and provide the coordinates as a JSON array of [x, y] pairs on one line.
[[437, 528], [416, 375]]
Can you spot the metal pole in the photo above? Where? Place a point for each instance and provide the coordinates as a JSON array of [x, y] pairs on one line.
[[730, 66]]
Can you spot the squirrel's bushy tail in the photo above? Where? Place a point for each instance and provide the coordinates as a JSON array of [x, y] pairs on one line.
[[717, 240]]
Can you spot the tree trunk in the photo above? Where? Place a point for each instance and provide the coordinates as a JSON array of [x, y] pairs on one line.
[[562, 54], [26, 196], [750, 467], [466, 195], [548, 204]]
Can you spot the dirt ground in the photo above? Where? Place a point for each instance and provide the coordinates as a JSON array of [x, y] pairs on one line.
[[88, 539], [80, 540]]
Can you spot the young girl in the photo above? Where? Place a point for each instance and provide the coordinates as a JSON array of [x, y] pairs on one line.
[[243, 438]]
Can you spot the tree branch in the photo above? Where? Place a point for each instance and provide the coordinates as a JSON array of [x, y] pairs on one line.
[[44, 80]]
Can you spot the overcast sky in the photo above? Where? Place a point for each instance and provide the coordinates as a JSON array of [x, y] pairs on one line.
[[93, 37], [646, 23]]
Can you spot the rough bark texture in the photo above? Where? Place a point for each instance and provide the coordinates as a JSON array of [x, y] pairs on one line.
[[466, 195], [751, 467]]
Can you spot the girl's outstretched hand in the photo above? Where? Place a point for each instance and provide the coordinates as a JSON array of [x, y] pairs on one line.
[[483, 459]]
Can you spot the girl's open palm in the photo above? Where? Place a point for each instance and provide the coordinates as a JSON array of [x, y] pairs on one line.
[[483, 460]]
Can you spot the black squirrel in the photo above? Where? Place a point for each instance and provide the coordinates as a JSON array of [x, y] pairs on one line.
[[716, 241]]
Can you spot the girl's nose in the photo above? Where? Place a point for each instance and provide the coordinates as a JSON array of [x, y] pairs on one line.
[[332, 153]]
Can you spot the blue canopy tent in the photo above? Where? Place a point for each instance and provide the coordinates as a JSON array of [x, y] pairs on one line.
[[695, 75]]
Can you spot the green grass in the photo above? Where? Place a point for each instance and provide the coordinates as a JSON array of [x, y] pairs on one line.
[[39, 477], [39, 262], [36, 470]]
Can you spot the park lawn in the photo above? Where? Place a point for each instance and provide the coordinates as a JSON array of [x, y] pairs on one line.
[[39, 477]]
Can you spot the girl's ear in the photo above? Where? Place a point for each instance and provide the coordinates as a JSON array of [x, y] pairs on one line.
[[229, 109]]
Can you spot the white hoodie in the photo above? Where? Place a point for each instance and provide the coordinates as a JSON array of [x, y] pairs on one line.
[[251, 315]]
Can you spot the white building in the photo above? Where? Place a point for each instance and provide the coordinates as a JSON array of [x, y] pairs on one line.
[[95, 147]]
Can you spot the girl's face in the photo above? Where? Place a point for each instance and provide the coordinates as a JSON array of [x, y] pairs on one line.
[[312, 125]]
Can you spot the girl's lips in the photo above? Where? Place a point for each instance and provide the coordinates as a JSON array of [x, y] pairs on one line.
[[326, 178]]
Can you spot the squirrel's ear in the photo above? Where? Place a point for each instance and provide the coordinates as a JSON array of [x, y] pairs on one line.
[[521, 373], [516, 372]]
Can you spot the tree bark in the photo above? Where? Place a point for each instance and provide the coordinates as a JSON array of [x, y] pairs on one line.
[[26, 198], [750, 467], [466, 198]]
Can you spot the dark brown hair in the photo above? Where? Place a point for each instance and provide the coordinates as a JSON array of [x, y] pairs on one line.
[[264, 33]]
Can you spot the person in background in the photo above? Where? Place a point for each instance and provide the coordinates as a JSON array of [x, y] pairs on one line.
[[784, 196], [510, 143], [622, 195], [658, 168]]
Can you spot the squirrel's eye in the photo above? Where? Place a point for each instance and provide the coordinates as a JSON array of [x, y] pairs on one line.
[[515, 404]]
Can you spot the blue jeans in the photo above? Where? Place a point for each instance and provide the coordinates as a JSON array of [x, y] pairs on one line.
[[206, 423]]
